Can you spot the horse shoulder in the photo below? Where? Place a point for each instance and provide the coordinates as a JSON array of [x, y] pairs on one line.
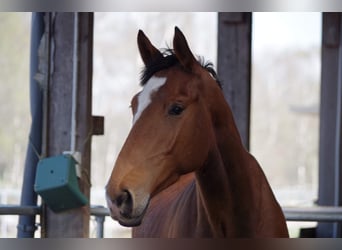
[[271, 220]]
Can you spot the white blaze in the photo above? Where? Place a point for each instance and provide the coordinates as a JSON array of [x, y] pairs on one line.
[[144, 98]]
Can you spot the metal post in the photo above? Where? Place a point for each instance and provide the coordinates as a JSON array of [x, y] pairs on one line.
[[330, 174], [99, 225], [26, 226]]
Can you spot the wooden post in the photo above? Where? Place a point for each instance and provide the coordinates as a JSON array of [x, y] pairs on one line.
[[330, 167], [234, 66], [75, 222]]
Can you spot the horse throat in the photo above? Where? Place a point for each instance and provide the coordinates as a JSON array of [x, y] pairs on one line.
[[227, 192]]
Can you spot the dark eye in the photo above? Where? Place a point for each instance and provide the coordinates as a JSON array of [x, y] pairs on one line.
[[176, 109]]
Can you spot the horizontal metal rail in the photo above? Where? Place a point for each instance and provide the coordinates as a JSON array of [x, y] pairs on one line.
[[318, 213], [19, 210], [99, 211], [34, 210]]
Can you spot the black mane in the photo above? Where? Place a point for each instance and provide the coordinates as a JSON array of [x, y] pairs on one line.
[[168, 60]]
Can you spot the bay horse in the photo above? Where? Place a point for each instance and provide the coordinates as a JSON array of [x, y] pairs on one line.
[[183, 170]]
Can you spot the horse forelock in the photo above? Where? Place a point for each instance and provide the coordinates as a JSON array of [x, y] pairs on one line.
[[168, 60]]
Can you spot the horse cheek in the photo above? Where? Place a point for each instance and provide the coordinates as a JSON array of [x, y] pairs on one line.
[[195, 146]]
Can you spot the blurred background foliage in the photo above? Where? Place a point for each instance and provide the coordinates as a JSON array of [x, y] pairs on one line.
[[14, 96]]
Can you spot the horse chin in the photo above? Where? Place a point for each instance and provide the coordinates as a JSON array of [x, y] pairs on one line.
[[132, 222]]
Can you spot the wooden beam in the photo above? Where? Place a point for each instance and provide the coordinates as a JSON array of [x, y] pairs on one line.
[[75, 222], [234, 66]]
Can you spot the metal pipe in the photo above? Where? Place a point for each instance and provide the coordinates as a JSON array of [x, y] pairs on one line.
[[338, 151], [74, 85], [99, 226], [318, 213], [19, 210], [99, 211], [36, 210], [26, 225], [321, 213]]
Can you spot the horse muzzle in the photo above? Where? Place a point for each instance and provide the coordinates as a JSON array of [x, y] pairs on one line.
[[128, 209]]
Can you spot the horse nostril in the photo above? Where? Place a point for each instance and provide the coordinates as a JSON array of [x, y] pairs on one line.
[[125, 203], [121, 198]]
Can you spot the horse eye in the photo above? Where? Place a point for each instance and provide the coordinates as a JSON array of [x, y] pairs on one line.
[[176, 109]]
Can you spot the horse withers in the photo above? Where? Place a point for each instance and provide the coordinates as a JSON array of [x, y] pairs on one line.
[[183, 170]]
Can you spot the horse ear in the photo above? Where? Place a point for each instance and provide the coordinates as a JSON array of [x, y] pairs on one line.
[[182, 50], [147, 51]]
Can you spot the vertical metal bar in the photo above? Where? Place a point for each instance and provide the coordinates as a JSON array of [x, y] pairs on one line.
[[337, 163], [74, 85], [330, 122], [26, 226], [99, 225]]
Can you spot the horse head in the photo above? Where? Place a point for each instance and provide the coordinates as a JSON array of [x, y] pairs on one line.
[[172, 132]]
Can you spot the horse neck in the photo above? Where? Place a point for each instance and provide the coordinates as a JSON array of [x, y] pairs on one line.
[[226, 189]]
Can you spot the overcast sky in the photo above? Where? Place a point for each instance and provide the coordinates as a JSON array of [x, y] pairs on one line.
[[284, 30]]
